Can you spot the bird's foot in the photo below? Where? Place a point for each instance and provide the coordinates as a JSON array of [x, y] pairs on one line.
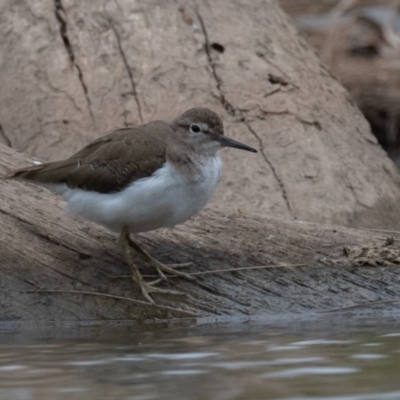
[[170, 269], [160, 267], [150, 287]]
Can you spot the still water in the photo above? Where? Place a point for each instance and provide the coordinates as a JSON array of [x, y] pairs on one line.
[[325, 358]]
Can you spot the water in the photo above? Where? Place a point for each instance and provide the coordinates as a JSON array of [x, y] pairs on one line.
[[330, 358]]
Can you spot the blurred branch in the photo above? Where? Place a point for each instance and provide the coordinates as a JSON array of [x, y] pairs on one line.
[[336, 12]]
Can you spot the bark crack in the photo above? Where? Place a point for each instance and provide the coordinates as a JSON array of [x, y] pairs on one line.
[[128, 69], [225, 103], [231, 110], [62, 91], [62, 21], [272, 167], [6, 139]]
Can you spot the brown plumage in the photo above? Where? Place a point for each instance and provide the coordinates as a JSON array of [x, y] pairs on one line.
[[109, 163]]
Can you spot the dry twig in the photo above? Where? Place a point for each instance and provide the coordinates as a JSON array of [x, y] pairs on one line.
[[111, 296], [217, 271]]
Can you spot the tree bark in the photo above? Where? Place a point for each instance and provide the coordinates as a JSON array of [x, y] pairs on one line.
[[41, 248], [71, 70]]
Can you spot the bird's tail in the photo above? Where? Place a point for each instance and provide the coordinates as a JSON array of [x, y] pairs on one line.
[[27, 173]]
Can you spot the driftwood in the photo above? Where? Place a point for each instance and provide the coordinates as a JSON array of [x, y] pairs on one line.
[[71, 70], [308, 267]]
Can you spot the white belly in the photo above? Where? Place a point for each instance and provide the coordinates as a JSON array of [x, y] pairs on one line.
[[165, 199]]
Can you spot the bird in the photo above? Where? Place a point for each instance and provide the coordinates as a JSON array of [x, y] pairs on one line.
[[141, 178]]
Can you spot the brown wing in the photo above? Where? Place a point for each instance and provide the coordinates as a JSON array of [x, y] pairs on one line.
[[109, 163]]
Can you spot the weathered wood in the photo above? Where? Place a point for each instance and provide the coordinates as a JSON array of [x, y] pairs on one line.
[[71, 70], [42, 248]]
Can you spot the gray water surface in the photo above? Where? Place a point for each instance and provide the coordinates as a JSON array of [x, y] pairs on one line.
[[305, 360]]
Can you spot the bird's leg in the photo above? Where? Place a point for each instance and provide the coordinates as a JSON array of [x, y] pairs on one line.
[[146, 288], [160, 267]]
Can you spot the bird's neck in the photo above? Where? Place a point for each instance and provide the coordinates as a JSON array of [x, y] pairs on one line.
[[190, 163]]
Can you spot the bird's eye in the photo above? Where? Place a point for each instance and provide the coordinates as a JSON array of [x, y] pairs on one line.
[[194, 128]]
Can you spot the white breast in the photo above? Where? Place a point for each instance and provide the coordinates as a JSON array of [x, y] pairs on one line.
[[165, 199]]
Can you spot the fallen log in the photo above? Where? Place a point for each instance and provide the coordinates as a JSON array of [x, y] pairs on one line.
[[54, 267], [70, 70]]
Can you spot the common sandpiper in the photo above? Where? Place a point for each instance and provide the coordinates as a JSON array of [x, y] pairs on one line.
[[141, 178]]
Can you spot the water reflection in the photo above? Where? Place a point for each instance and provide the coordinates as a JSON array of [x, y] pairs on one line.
[[246, 362]]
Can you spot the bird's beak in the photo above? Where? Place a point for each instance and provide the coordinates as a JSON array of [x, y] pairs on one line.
[[228, 142]]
